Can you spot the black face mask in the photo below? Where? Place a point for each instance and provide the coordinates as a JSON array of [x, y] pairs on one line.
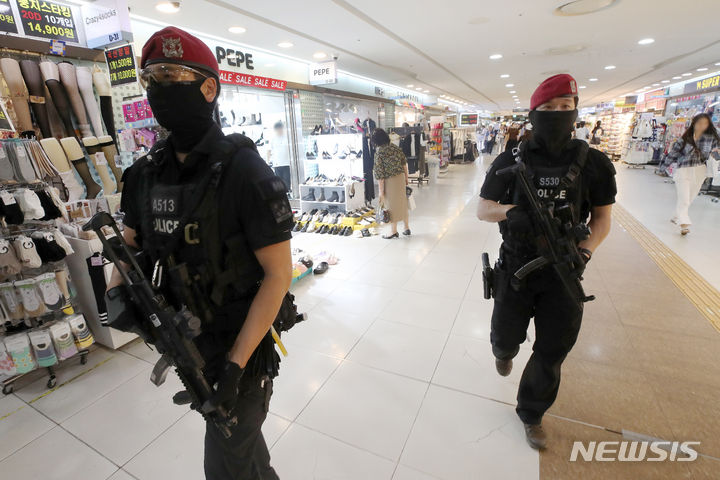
[[552, 129], [183, 110]]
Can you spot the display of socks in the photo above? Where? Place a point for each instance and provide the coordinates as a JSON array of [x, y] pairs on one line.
[[47, 247], [9, 263], [30, 297], [18, 346], [68, 78], [36, 88], [26, 252], [25, 166], [7, 366], [13, 306], [10, 209], [77, 159], [96, 270], [83, 337], [63, 339], [59, 95], [7, 172], [48, 205], [18, 95], [97, 157], [62, 241], [29, 204], [43, 348], [50, 291], [108, 148]]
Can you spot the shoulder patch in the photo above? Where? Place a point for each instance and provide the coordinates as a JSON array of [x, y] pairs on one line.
[[273, 193]]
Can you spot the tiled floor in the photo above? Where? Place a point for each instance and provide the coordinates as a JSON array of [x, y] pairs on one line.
[[392, 375]]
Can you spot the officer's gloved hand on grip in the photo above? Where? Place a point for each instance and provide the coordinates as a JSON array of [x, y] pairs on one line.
[[518, 220], [228, 386]]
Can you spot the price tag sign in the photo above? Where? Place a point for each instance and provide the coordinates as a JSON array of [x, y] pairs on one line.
[[7, 19], [121, 63], [47, 20], [57, 47]]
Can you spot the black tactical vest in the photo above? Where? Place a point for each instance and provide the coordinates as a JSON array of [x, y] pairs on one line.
[[552, 185]]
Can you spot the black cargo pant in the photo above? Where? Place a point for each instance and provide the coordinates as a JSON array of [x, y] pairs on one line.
[[557, 324], [245, 455]]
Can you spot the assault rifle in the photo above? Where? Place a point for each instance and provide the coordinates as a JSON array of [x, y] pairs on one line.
[[171, 331], [557, 240]]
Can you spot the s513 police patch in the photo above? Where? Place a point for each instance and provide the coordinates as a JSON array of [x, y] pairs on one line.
[[273, 192]]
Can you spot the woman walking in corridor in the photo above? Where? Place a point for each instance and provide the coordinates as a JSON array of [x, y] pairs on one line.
[[391, 171], [691, 153]]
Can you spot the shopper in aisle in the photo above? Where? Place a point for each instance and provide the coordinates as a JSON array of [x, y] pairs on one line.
[[391, 171], [582, 133], [597, 134], [574, 175], [513, 138], [279, 154], [690, 153], [241, 262]]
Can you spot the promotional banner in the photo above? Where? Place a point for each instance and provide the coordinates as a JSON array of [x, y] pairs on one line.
[[8, 23], [710, 83], [121, 64], [45, 19], [235, 78], [468, 119]]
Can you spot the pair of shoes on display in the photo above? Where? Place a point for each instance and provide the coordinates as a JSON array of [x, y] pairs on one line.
[[365, 232], [326, 156], [310, 197], [317, 130], [261, 141], [334, 197], [321, 268]]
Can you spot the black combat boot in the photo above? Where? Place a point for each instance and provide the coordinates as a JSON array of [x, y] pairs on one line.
[[535, 436]]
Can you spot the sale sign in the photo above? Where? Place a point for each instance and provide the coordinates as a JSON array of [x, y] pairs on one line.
[[234, 78], [121, 64], [47, 20]]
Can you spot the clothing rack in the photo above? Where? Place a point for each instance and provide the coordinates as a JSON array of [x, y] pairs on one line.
[[416, 163]]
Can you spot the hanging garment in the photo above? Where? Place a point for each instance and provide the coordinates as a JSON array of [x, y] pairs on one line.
[[96, 270], [63, 339]]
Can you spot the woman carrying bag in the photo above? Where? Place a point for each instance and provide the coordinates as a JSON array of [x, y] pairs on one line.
[[391, 171], [691, 153]]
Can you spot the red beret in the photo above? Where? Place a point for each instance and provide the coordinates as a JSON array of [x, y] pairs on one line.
[[562, 85], [172, 45]]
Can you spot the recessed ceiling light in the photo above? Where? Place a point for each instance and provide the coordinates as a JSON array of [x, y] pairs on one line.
[[646, 41], [237, 30], [504, 75], [717, 64], [285, 44], [319, 55], [610, 67], [426, 91], [593, 79], [655, 84], [509, 85], [665, 81], [167, 7], [583, 7], [495, 56], [410, 86], [702, 69], [512, 91], [418, 88], [582, 86], [686, 74]]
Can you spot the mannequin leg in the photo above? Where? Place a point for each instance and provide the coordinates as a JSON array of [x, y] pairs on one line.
[[68, 77], [85, 84], [18, 93], [31, 73], [108, 117], [56, 125], [97, 157], [108, 148], [57, 156], [77, 158]]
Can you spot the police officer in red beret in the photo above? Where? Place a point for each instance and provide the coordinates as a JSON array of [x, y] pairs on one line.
[[548, 155], [212, 203]]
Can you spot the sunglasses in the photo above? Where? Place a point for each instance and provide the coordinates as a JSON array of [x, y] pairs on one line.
[[168, 74]]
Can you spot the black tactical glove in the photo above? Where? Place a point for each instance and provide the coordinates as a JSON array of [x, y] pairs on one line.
[[518, 220], [227, 388], [585, 254]]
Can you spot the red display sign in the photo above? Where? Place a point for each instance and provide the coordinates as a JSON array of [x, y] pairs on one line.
[[234, 78]]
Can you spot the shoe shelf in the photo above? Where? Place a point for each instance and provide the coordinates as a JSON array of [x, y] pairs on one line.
[[352, 193]]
